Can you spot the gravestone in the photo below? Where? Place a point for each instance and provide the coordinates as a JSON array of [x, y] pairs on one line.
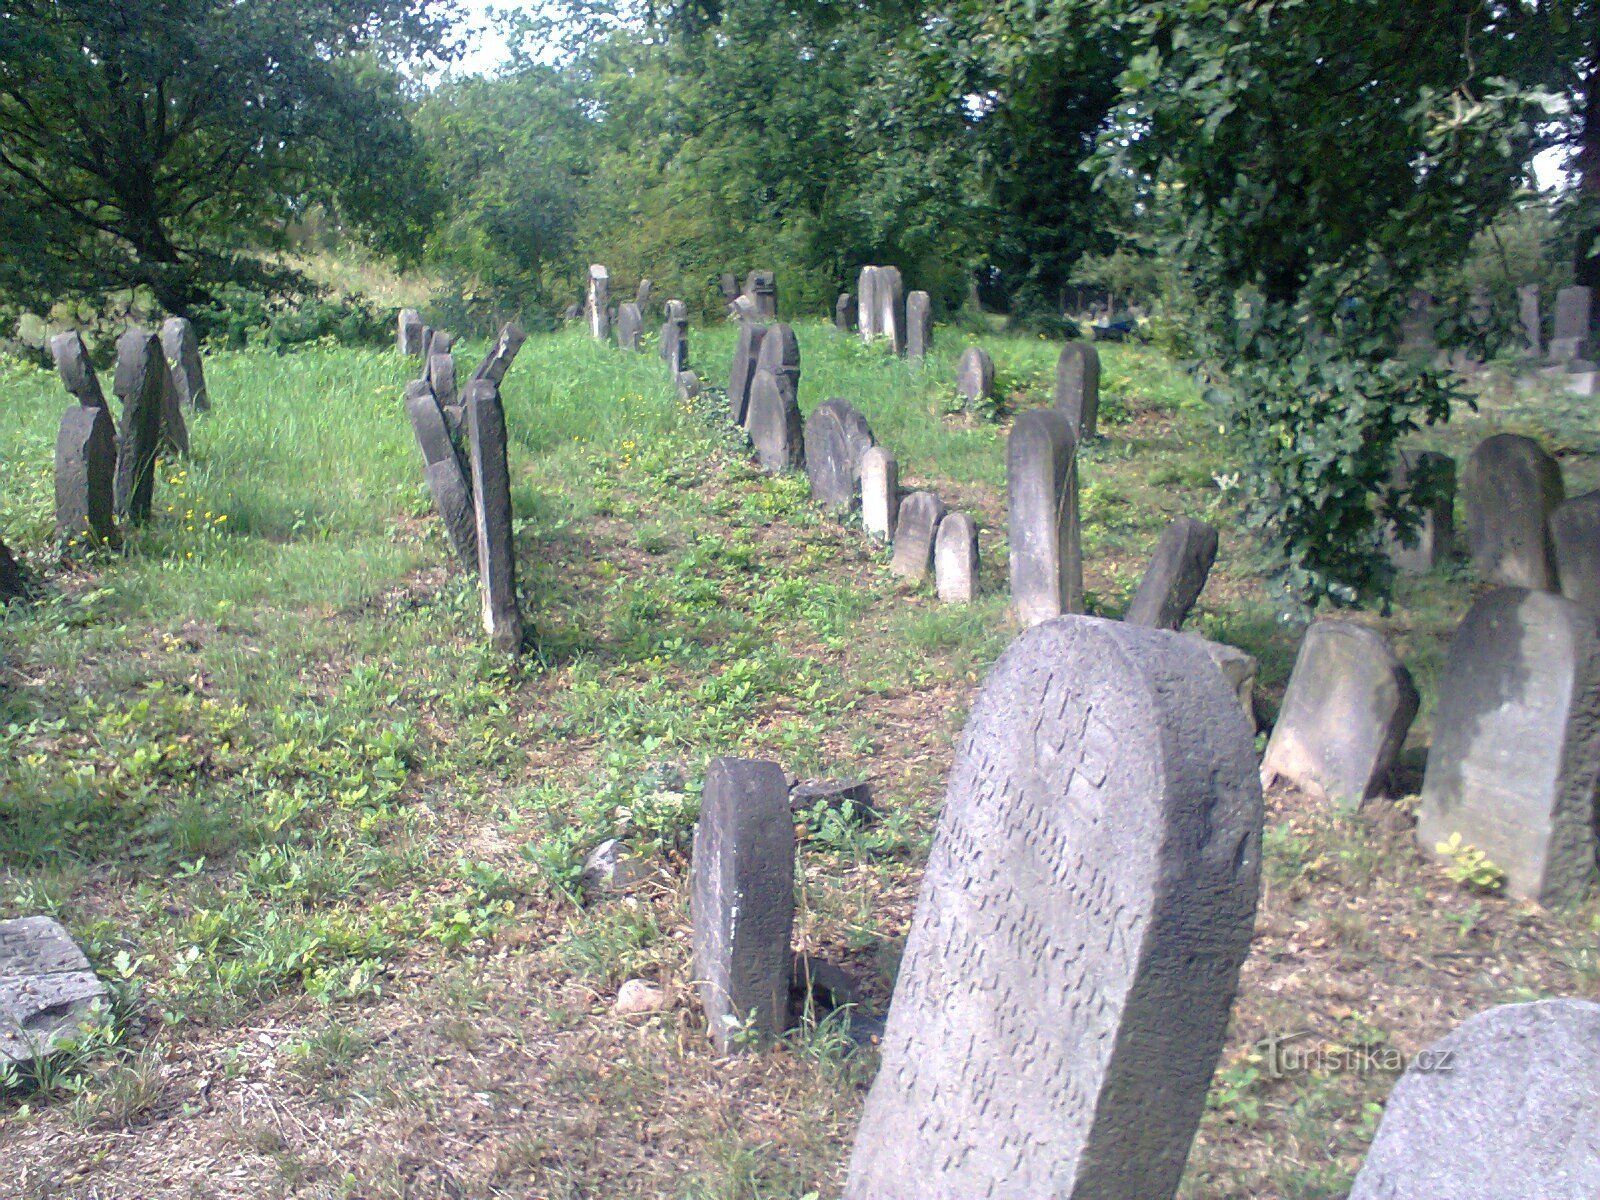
[[955, 559], [85, 477], [844, 313], [182, 350], [730, 287], [674, 341], [641, 297], [916, 527], [868, 310], [139, 382], [491, 502], [1570, 339], [77, 372], [1516, 743], [773, 422], [1436, 531], [1089, 899], [630, 324], [1511, 487], [880, 492], [408, 336], [1506, 1106], [836, 437], [47, 988], [1237, 667], [688, 385], [442, 379], [13, 583], [919, 325], [780, 356], [1532, 320], [890, 296], [1175, 577], [436, 341], [1078, 388], [745, 356], [1345, 716], [501, 354], [174, 429], [442, 469], [975, 376], [743, 900], [1042, 483], [1575, 536], [761, 289], [597, 307]]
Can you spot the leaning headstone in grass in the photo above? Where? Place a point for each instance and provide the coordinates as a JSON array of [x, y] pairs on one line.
[[975, 376], [1511, 487], [955, 559], [630, 324], [869, 313], [408, 336], [1575, 535], [1435, 533], [1532, 321], [773, 422], [1076, 945], [836, 437], [880, 492], [182, 348], [844, 313], [442, 378], [745, 356], [1506, 1106], [1516, 744], [47, 988], [501, 354], [597, 306], [1176, 575], [761, 289], [780, 355], [77, 372], [1573, 330], [85, 478], [1046, 547], [13, 583], [441, 466], [1078, 388], [919, 325], [1345, 716], [491, 501], [916, 527], [139, 382], [743, 901]]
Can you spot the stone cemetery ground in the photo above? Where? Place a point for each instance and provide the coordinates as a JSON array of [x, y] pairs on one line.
[[325, 844]]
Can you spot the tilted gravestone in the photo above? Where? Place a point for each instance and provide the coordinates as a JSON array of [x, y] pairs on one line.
[[1516, 743], [1175, 577], [442, 469], [1078, 388], [77, 372], [442, 379], [674, 342], [182, 348], [491, 501], [1504, 1107], [773, 422], [1575, 535], [139, 381], [836, 437], [1532, 322], [1086, 907], [1435, 532], [47, 988], [975, 376], [1046, 549], [916, 527], [85, 478], [761, 289], [867, 306], [844, 313], [1573, 330], [919, 325], [408, 336], [743, 900], [597, 307], [780, 355], [1345, 716], [955, 559], [1511, 487], [436, 341], [501, 354], [880, 492], [630, 324], [745, 356]]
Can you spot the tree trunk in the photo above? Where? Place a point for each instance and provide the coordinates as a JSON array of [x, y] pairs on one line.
[[1586, 267]]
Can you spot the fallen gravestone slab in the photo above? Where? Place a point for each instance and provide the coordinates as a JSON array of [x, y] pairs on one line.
[[139, 381], [743, 901], [836, 437], [408, 335], [1435, 535], [919, 325], [491, 503], [774, 425], [1504, 1107], [1575, 536], [1516, 743], [880, 492], [916, 527], [441, 467], [630, 325], [501, 354], [47, 988], [1042, 480], [955, 559], [975, 376], [780, 355], [77, 372], [1078, 388], [85, 479], [182, 350], [844, 313], [1175, 577], [1511, 487], [1089, 899], [745, 356]]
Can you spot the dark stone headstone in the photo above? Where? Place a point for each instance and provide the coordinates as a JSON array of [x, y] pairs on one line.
[[1516, 743], [182, 350], [880, 492], [86, 473], [955, 559], [1532, 322], [491, 502], [139, 383], [761, 289], [1175, 577], [836, 437], [780, 355], [630, 324], [919, 325], [1345, 716], [1511, 487], [597, 307], [441, 465], [442, 379], [975, 375], [834, 794], [47, 988], [1089, 900], [916, 527], [844, 313], [1078, 388], [501, 354], [77, 372], [1046, 549], [745, 356], [174, 429], [1575, 534], [773, 422], [1573, 324], [1504, 1107], [1435, 534], [408, 336], [743, 900]]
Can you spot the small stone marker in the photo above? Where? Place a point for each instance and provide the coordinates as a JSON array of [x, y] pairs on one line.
[[1046, 551], [1175, 577], [1532, 322], [491, 499], [1078, 388], [834, 794], [597, 307], [47, 988], [780, 355], [1504, 1107], [761, 288], [182, 350], [745, 356], [919, 325], [1436, 531], [1516, 743], [1573, 330], [743, 900], [77, 372], [630, 324], [1511, 487], [844, 313], [139, 381], [86, 473], [1088, 902], [836, 437], [867, 306], [915, 530], [880, 492], [688, 385], [1345, 716], [441, 466], [409, 334], [498, 360], [442, 379], [1575, 533], [975, 376], [773, 422], [955, 559]]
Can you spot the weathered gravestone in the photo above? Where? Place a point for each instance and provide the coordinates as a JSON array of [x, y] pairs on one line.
[[85, 478], [138, 383], [1237, 667], [1078, 388], [442, 379], [975, 376], [436, 341], [780, 355], [868, 310], [408, 335], [77, 372], [955, 559], [174, 429], [688, 385], [1516, 743], [916, 526], [182, 350], [674, 342], [1575, 534], [13, 583], [501, 354], [1176, 575], [1532, 321], [836, 437], [743, 900], [491, 501], [597, 306], [1431, 475], [745, 356], [773, 422], [761, 289], [844, 313], [880, 492], [630, 324], [641, 297], [1504, 1107], [919, 325], [1573, 330], [1042, 481], [1076, 945], [1511, 487], [47, 988], [889, 293], [730, 287], [441, 466], [1345, 716]]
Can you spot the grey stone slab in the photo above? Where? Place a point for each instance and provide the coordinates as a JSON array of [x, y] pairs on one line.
[[641, 297], [77, 372], [730, 286], [1238, 668], [780, 355], [174, 428], [597, 305], [1089, 899], [919, 325], [1077, 390], [408, 332], [1176, 575], [1531, 320], [630, 325], [1574, 323], [1045, 542], [889, 292], [688, 385], [1515, 759], [916, 527], [844, 313], [674, 341], [880, 492], [1510, 488], [139, 383], [1434, 537], [182, 350], [1504, 1107], [745, 356], [491, 500], [444, 472], [442, 378], [836, 436], [869, 312], [774, 424], [1345, 716], [839, 795], [85, 478], [502, 354], [1575, 535], [761, 289], [955, 559], [742, 903], [975, 375], [47, 988]]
